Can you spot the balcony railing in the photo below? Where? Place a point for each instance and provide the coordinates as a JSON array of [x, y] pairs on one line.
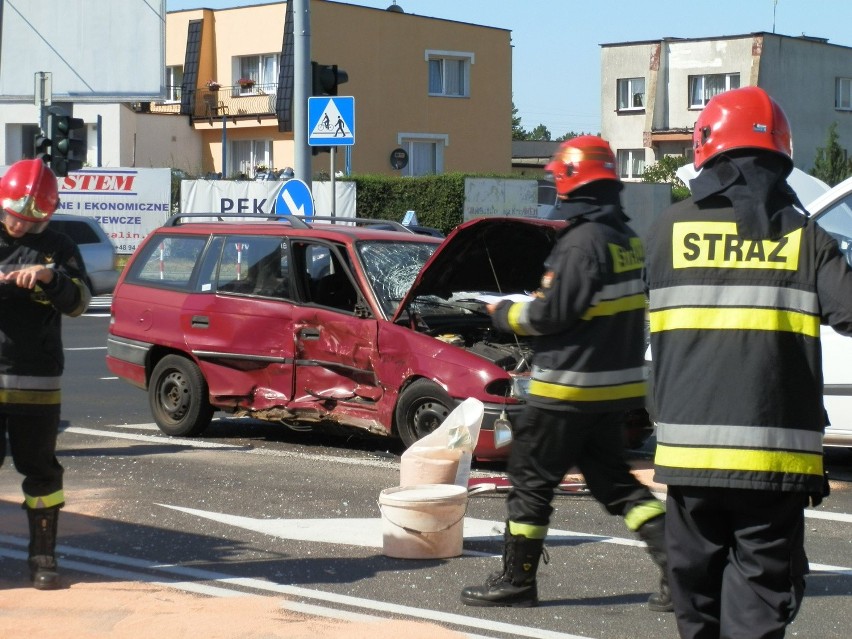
[[233, 102]]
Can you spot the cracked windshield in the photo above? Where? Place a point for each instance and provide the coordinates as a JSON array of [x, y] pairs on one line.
[[391, 268]]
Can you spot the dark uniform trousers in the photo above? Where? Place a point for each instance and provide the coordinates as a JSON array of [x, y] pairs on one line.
[[32, 439], [750, 548], [546, 444]]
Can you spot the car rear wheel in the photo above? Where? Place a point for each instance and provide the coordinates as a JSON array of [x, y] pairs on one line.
[[422, 407], [178, 396]]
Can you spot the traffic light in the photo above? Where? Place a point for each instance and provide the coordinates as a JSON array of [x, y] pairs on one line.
[[325, 78], [68, 143], [42, 147]]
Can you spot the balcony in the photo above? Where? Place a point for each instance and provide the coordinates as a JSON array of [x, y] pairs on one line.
[[234, 102]]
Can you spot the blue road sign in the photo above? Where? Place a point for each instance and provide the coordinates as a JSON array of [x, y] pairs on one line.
[[294, 198], [331, 121]]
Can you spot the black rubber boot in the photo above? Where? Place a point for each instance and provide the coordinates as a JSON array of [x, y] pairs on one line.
[[652, 532], [42, 551], [516, 586]]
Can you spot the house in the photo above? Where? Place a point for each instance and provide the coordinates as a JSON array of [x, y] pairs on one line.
[[652, 91], [438, 90]]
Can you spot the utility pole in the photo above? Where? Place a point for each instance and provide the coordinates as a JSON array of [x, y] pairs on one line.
[[301, 88]]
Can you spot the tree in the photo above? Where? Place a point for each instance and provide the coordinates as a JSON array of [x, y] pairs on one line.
[[832, 164], [540, 133], [665, 171], [518, 132]]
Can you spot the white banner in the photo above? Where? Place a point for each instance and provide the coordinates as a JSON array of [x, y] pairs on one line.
[[490, 197], [247, 197], [127, 203]]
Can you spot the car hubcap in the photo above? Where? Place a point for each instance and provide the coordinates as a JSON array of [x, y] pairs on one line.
[[428, 416], [174, 395]]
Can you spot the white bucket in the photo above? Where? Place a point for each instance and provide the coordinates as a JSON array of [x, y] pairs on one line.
[[425, 521]]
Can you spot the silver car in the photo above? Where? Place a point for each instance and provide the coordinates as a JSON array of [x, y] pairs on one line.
[[97, 250]]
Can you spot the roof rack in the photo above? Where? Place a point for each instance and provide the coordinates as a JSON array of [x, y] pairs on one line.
[[295, 221], [362, 221]]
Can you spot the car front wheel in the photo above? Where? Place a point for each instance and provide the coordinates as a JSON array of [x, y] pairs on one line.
[[178, 396], [422, 407]]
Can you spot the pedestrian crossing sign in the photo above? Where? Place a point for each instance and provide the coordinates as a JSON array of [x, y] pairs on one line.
[[331, 121]]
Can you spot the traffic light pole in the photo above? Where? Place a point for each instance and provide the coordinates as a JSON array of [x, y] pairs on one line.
[[333, 155], [301, 88]]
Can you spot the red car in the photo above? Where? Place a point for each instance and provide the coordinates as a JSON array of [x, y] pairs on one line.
[[305, 321]]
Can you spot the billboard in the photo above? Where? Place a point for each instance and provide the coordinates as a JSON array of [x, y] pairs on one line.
[[127, 203], [91, 48]]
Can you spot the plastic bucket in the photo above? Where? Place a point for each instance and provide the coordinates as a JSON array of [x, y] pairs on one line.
[[424, 521], [429, 465]]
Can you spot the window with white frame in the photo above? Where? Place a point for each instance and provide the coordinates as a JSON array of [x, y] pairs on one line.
[[174, 80], [843, 94], [260, 70], [631, 94], [704, 87], [631, 163], [449, 73], [249, 157], [425, 153]]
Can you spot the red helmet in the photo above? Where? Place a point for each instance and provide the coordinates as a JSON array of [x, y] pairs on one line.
[[579, 161], [745, 118], [29, 192]]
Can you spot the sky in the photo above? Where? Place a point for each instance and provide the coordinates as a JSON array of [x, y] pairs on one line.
[[556, 43]]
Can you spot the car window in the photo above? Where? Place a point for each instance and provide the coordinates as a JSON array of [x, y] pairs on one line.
[[80, 232], [391, 268], [254, 265], [168, 261], [837, 221], [323, 276]]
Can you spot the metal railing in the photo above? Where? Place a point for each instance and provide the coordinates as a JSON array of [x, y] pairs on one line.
[[227, 101]]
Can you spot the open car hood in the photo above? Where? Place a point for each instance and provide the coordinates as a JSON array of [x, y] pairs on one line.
[[498, 255]]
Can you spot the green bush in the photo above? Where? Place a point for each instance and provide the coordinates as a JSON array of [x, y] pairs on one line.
[[438, 200]]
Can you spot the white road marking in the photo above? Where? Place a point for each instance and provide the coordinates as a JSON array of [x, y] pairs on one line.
[[378, 463], [435, 616]]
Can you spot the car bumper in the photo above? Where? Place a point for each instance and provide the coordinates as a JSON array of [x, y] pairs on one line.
[[103, 282]]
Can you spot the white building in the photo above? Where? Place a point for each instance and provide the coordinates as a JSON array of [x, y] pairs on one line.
[[653, 91]]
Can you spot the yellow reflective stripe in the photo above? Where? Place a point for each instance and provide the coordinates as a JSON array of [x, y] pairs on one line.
[[45, 501], [10, 396], [755, 319], [85, 299], [639, 515], [517, 319], [739, 459], [530, 531], [577, 394], [717, 245], [614, 307]]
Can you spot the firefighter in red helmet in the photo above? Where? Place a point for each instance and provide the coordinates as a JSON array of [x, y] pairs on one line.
[[740, 280], [588, 322], [41, 278]]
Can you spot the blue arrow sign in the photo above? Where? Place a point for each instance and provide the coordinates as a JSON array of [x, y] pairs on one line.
[[294, 198], [331, 121]]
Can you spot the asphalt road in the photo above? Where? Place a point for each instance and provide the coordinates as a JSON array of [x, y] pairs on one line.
[[257, 508]]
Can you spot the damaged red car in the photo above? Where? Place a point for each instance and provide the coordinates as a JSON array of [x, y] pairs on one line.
[[304, 321]]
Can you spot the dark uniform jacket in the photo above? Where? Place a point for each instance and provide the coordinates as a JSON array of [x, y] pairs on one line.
[[31, 358], [735, 337], [588, 317]]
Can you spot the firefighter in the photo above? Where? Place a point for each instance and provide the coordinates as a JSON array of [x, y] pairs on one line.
[[739, 282], [588, 319], [41, 278]]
